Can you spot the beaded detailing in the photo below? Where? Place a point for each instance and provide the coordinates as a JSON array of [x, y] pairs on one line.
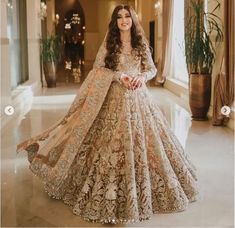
[[113, 158]]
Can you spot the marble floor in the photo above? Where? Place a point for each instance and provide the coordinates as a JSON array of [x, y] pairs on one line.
[[25, 204]]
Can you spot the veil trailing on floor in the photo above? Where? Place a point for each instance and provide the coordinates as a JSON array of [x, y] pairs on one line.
[[62, 141]]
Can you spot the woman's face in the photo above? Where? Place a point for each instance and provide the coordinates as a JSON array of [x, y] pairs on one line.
[[124, 20]]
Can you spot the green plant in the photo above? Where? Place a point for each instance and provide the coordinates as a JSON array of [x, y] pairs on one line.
[[51, 49], [199, 48]]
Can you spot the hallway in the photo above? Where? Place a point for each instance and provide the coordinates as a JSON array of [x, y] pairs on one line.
[[48, 47], [210, 149]]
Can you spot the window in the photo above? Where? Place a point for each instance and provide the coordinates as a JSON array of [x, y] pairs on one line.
[[17, 34]]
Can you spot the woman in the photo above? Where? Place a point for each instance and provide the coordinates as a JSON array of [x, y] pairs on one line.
[[113, 158]]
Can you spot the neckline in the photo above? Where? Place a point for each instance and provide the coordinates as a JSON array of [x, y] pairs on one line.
[[123, 41], [126, 53]]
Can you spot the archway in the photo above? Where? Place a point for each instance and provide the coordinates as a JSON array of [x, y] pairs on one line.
[[72, 29]]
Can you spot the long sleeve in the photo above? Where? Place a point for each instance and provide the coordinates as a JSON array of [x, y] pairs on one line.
[[99, 62], [150, 70]]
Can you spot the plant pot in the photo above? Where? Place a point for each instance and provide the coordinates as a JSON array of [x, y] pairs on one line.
[[199, 95], [50, 73]]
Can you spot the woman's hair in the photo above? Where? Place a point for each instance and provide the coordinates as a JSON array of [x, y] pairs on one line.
[[113, 41]]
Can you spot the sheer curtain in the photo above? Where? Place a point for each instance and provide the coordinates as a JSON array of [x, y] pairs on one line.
[[178, 67], [224, 82], [17, 34], [166, 58], [173, 63]]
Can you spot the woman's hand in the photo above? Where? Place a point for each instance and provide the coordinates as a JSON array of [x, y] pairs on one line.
[[137, 81], [126, 81]]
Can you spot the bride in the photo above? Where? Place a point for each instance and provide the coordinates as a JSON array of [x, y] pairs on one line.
[[113, 157]]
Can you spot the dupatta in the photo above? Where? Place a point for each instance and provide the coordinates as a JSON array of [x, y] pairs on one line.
[[52, 152]]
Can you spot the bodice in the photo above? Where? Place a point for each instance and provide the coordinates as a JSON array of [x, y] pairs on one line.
[[129, 64]]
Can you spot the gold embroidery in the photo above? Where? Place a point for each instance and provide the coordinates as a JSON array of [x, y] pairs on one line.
[[113, 158]]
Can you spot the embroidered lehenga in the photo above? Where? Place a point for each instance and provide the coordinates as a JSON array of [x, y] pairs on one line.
[[113, 157]]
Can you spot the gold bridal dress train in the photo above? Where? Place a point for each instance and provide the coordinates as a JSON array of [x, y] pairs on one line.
[[113, 157]]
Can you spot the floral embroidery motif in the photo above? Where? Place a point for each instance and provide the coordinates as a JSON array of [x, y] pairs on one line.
[[113, 157]]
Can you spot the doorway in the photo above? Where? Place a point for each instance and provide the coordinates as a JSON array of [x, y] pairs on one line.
[[152, 37], [72, 31]]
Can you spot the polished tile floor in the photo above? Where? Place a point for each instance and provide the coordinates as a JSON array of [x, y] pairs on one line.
[[25, 204]]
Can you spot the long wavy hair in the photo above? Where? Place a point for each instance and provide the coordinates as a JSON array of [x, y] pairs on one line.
[[113, 41]]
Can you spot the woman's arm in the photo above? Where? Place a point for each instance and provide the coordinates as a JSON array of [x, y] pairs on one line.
[[150, 70]]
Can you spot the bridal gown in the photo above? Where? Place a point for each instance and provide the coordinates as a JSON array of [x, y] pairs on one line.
[[113, 157]]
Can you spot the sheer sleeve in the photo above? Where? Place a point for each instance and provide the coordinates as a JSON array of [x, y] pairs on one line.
[[150, 70], [99, 62]]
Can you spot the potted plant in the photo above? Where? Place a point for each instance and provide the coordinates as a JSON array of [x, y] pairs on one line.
[[200, 55], [51, 53]]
